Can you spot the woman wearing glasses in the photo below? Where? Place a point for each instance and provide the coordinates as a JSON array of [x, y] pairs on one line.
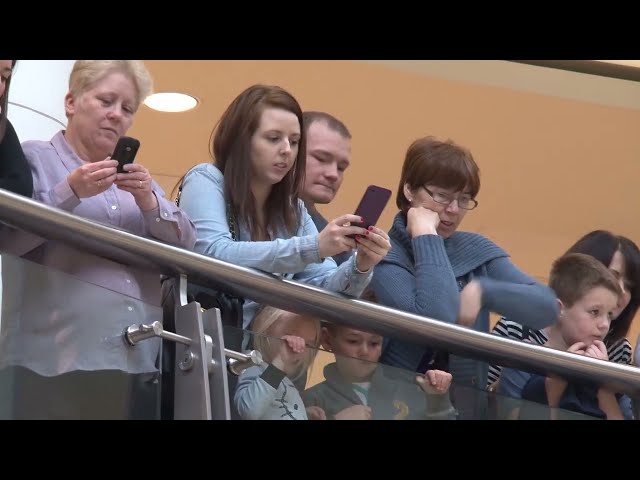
[[435, 271]]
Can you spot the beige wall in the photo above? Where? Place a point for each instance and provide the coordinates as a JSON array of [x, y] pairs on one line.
[[552, 168]]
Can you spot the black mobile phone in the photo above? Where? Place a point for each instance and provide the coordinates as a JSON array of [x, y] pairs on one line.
[[125, 151], [370, 208]]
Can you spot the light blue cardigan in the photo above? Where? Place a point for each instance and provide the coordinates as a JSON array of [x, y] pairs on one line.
[[295, 257]]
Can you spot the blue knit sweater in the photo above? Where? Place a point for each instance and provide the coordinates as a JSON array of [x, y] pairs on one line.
[[424, 275]]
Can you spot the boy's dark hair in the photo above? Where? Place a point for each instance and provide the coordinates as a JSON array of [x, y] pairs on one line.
[[575, 274]]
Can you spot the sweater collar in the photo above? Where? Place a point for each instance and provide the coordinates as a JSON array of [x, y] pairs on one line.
[[466, 250]]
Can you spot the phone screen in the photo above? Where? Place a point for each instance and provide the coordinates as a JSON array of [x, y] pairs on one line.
[[373, 202]]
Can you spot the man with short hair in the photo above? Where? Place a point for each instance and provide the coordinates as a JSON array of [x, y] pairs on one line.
[[328, 156]]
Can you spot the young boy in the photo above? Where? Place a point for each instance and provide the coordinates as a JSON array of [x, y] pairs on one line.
[[356, 387], [587, 294]]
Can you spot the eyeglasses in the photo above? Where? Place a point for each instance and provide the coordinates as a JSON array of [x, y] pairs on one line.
[[465, 202]]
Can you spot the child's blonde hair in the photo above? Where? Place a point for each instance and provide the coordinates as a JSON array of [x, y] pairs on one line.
[[263, 339]]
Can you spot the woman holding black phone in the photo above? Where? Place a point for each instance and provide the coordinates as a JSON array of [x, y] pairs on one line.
[[64, 340]]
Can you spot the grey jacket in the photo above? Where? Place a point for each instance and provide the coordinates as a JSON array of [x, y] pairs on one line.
[[265, 393], [393, 395]]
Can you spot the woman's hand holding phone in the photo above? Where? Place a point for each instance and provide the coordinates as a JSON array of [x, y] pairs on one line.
[[348, 232], [374, 244], [136, 180], [372, 247], [336, 236], [92, 179]]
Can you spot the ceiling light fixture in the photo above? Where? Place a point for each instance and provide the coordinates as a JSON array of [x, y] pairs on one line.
[[171, 102]]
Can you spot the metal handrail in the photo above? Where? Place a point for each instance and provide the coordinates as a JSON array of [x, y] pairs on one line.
[[130, 249]]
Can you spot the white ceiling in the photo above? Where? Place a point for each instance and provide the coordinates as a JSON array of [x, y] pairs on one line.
[[629, 63]]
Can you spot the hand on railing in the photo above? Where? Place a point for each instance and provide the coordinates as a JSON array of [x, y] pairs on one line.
[[435, 382]]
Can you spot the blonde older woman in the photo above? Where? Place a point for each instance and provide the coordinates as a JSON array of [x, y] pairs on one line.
[[73, 324]]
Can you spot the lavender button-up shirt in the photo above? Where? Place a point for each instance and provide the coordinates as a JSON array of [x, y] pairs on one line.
[[66, 309]]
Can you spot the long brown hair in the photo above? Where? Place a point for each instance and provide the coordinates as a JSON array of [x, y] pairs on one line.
[[602, 245], [231, 152]]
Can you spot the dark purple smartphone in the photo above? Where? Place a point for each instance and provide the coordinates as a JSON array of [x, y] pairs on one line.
[[371, 206], [125, 152]]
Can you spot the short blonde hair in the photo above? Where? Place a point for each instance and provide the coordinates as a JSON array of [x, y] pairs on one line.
[[262, 325], [86, 73]]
